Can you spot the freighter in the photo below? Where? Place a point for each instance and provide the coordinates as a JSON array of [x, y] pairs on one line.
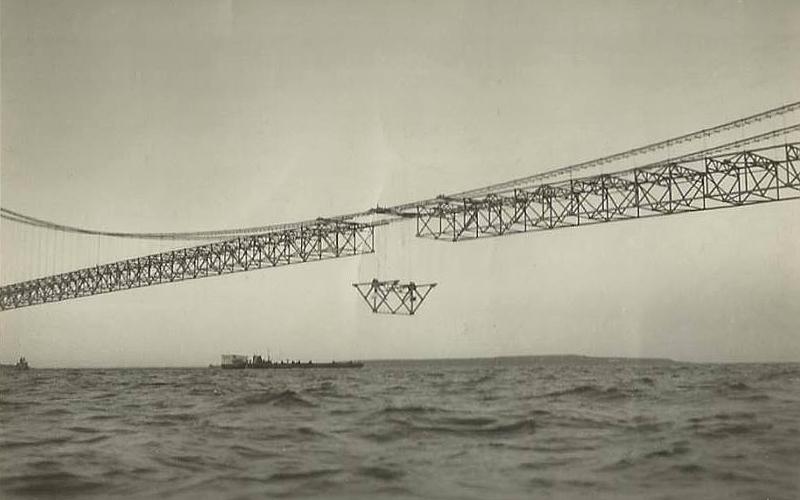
[[239, 362]]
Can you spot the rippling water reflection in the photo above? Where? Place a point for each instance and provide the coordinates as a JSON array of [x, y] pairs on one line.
[[561, 427]]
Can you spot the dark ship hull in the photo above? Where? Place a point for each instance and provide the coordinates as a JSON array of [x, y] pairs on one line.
[[295, 366], [235, 362]]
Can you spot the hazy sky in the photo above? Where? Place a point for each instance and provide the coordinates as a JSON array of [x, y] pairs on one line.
[[189, 115]]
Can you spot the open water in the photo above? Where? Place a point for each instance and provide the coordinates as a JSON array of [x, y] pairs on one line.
[[537, 427]]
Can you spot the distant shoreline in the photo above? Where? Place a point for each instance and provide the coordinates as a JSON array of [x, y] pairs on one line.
[[547, 357]]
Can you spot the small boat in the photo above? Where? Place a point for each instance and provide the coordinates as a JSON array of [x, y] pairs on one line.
[[22, 364]]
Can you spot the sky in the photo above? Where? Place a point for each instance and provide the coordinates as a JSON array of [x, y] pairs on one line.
[[193, 115]]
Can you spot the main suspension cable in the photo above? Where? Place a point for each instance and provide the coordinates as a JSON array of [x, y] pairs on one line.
[[396, 213], [700, 134]]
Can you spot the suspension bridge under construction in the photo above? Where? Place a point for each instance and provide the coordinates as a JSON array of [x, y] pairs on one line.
[[749, 161]]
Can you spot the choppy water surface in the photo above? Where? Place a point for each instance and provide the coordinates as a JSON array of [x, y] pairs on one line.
[[509, 428]]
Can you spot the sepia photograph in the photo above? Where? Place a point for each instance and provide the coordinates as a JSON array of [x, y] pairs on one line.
[[400, 249]]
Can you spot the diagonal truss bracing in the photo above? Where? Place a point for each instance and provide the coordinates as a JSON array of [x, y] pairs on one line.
[[320, 240], [729, 180], [393, 297]]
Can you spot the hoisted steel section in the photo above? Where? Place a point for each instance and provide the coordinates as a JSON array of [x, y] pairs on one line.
[[729, 180], [393, 297], [320, 240]]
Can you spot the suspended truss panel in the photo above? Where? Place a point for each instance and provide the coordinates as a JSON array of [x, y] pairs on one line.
[[393, 297], [321, 240], [729, 180]]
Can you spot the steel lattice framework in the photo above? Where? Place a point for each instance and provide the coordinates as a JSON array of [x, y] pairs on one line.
[[393, 297], [730, 180], [320, 240], [723, 176]]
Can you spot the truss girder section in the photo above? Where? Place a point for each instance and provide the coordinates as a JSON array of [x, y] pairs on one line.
[[319, 241], [790, 172], [669, 189], [604, 197], [733, 179], [393, 297], [467, 218], [551, 206], [747, 177]]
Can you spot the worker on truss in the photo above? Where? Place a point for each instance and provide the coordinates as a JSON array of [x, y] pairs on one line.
[[393, 297]]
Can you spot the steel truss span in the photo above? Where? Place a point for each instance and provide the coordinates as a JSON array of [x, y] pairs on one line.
[[393, 297], [320, 240], [730, 180]]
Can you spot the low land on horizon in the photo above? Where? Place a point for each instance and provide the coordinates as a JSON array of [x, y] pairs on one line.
[[549, 358]]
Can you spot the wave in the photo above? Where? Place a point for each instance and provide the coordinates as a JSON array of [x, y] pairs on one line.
[[736, 386], [547, 463], [168, 419], [252, 452], [106, 395], [38, 442], [786, 373], [382, 473], [524, 426], [308, 431], [541, 482], [412, 409], [324, 389], [677, 449], [409, 430], [482, 379], [52, 483], [468, 421], [15, 404], [725, 424], [732, 430], [689, 468], [592, 391], [55, 412], [741, 391], [92, 439], [192, 463], [104, 416], [83, 430], [285, 399], [649, 426], [587, 422], [152, 385], [731, 476], [344, 411], [741, 415], [647, 381], [754, 397], [330, 390], [303, 475]]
